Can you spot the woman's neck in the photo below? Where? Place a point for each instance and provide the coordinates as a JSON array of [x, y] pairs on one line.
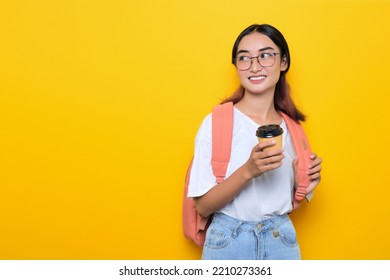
[[259, 108]]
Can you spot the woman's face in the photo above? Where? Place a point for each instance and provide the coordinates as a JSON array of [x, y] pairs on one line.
[[259, 79]]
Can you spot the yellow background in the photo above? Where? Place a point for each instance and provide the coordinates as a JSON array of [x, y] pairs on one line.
[[100, 102]]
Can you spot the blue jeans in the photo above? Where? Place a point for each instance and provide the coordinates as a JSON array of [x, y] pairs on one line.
[[273, 238]]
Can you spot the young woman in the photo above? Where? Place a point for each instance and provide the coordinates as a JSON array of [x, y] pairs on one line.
[[250, 208]]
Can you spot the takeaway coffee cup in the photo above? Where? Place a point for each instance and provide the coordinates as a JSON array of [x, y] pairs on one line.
[[268, 133]]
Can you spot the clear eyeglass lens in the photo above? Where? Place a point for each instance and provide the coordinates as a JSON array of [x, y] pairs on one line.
[[267, 59]]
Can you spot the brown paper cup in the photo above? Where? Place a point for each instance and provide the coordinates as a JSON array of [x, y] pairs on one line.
[[268, 133], [278, 142]]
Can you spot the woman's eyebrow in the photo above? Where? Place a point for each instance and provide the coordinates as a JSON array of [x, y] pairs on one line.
[[260, 50], [242, 51], [266, 48]]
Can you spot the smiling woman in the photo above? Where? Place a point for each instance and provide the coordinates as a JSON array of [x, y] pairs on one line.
[[253, 203], [100, 102]]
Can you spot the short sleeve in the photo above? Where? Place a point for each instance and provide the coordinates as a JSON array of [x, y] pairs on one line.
[[202, 178]]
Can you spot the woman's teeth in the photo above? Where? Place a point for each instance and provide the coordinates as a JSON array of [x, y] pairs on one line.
[[257, 78]]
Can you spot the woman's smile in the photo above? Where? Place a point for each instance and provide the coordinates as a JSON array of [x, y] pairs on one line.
[[257, 79]]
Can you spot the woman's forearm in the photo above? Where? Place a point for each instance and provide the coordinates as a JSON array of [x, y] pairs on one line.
[[221, 194]]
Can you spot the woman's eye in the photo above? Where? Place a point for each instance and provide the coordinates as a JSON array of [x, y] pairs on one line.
[[266, 55], [243, 58]]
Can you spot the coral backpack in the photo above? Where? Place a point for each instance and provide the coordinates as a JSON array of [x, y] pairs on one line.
[[194, 225]]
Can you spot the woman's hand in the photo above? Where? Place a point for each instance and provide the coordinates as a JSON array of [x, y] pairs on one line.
[[314, 171], [261, 161]]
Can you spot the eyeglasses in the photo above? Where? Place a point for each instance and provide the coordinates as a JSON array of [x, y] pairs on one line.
[[265, 59]]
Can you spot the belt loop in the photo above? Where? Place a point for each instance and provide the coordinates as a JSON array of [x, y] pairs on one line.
[[236, 228]]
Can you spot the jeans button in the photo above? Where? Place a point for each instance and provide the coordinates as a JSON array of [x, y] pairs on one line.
[[275, 233], [259, 226]]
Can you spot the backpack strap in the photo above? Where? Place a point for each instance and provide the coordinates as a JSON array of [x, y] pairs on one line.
[[303, 151], [222, 134]]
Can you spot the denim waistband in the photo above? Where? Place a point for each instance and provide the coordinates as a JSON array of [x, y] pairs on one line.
[[262, 225]]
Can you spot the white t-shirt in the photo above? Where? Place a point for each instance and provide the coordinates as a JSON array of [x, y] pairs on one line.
[[268, 194]]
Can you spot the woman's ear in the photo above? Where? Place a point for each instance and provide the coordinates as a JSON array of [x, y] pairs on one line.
[[284, 64]]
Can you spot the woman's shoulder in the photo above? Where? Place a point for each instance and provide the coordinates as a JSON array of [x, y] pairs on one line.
[[207, 120], [204, 130]]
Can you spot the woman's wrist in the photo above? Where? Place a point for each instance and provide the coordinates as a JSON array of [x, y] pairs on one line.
[[245, 173]]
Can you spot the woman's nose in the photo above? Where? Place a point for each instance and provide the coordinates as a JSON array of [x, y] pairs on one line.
[[255, 65]]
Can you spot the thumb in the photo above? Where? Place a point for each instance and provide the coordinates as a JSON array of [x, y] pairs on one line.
[[312, 186], [295, 164], [257, 148], [295, 168]]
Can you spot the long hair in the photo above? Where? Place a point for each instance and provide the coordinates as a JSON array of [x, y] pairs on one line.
[[282, 98]]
